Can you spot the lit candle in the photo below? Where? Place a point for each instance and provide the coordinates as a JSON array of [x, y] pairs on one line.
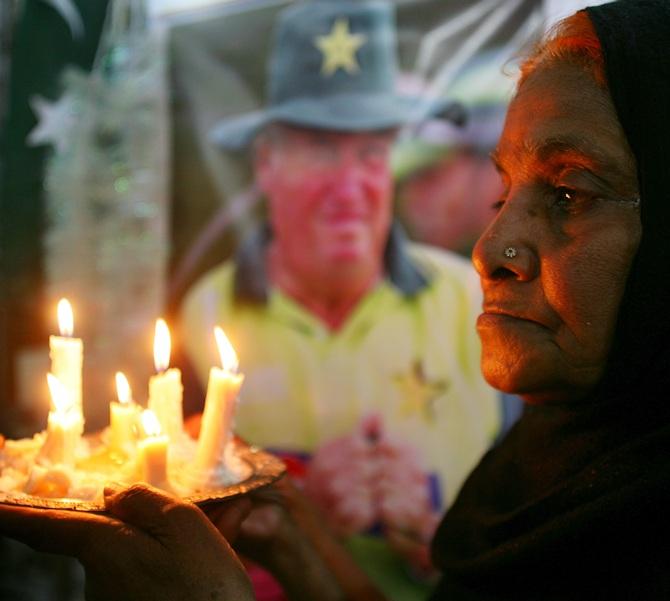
[[152, 452], [222, 389], [123, 418], [67, 355], [165, 388], [64, 426]]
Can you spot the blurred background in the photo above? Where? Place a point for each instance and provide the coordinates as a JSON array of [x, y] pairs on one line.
[[112, 195]]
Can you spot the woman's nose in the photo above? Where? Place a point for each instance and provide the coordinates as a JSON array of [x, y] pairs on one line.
[[505, 251]]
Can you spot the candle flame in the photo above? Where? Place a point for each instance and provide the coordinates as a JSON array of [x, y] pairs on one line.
[[122, 388], [229, 359], [65, 317], [61, 398], [150, 423], [161, 346]]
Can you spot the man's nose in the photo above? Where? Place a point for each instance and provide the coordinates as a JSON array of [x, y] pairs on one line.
[[348, 180]]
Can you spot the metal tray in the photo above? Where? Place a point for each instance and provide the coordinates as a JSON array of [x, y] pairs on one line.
[[264, 469]]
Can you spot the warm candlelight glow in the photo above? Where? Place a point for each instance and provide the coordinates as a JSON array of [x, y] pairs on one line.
[[152, 452], [227, 353], [64, 426], [161, 346], [67, 355], [150, 423], [65, 318], [165, 388], [60, 395], [122, 388], [217, 417], [123, 420]]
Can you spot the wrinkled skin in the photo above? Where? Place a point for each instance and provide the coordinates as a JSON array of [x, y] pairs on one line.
[[569, 210]]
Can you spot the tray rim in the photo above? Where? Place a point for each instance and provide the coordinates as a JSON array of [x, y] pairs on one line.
[[266, 469]]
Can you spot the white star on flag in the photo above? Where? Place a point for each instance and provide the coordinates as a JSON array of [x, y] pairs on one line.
[[54, 121]]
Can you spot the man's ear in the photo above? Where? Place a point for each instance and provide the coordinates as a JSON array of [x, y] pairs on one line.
[[263, 163]]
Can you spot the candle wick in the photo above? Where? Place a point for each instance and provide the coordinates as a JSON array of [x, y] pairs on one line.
[[65, 411]]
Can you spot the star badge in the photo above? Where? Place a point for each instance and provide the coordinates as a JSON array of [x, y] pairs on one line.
[[339, 48], [419, 394]]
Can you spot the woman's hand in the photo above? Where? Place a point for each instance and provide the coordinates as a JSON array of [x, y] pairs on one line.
[[414, 551], [150, 546], [287, 534]]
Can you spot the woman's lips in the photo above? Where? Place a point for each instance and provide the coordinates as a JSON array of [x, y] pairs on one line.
[[494, 314]]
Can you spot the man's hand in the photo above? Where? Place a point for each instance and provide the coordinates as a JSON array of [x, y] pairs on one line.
[[150, 546]]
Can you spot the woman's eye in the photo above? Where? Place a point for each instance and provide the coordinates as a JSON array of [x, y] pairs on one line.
[[502, 199], [564, 196], [568, 199]]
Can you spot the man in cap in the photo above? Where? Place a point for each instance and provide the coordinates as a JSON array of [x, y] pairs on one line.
[[358, 348]]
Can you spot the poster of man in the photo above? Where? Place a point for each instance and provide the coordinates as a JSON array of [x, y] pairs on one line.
[[253, 165]]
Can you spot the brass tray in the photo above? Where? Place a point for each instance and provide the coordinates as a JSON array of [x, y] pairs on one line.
[[264, 469]]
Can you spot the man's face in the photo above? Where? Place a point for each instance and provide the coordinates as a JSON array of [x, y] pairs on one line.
[[569, 212], [329, 197]]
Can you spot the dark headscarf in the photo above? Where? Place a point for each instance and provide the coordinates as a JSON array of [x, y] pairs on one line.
[[575, 503]]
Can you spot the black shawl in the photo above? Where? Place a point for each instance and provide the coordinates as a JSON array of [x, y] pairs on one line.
[[575, 503]]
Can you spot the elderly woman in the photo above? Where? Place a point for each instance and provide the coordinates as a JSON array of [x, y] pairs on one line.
[[573, 503]]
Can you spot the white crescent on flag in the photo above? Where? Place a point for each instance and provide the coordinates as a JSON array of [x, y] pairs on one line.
[[70, 13]]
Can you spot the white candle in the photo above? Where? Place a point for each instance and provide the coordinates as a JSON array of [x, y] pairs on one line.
[[64, 426], [152, 452], [67, 355], [165, 388], [123, 418], [222, 389]]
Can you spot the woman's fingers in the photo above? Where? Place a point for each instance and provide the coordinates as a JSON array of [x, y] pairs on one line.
[[139, 504], [55, 531], [166, 518], [228, 516], [160, 515]]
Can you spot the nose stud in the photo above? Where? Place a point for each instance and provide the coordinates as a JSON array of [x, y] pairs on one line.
[[510, 252]]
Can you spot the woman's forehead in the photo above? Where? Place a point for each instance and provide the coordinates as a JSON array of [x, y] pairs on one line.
[[560, 114]]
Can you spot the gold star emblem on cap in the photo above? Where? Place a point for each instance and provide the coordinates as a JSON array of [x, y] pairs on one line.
[[339, 48], [419, 394]]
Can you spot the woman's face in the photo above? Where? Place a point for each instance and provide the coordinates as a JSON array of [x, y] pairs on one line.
[[569, 211]]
